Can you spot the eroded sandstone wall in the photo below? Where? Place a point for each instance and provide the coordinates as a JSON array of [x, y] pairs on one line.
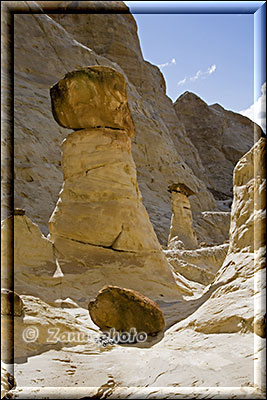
[[44, 52], [235, 300], [221, 137]]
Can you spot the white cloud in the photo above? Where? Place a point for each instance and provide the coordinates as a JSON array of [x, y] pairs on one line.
[[199, 74], [167, 64], [211, 69], [203, 74], [257, 112], [182, 82], [195, 77]]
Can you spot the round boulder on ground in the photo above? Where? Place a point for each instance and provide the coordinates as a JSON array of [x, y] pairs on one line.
[[124, 309]]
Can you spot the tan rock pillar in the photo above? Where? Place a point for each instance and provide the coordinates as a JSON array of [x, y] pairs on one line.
[[100, 226], [182, 222]]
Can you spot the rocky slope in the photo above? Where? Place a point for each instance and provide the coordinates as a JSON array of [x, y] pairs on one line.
[[218, 343], [221, 138], [234, 302]]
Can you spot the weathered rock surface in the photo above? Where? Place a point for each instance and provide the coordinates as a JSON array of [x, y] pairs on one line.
[[32, 248], [37, 267], [100, 205], [182, 222], [34, 261], [212, 227], [42, 56], [66, 303], [248, 217], [200, 265], [183, 364], [233, 359], [124, 309], [221, 137], [44, 327], [12, 313], [11, 303], [96, 97], [209, 364], [235, 297]]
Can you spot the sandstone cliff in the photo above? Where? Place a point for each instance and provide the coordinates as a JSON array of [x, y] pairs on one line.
[[42, 56], [213, 343], [162, 147], [235, 296], [221, 138]]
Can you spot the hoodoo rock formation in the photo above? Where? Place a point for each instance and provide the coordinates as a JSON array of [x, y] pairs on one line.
[[182, 222], [119, 155], [100, 223], [160, 148]]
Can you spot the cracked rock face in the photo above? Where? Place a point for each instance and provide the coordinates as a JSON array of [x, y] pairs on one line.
[[99, 221], [212, 227], [124, 309], [248, 221]]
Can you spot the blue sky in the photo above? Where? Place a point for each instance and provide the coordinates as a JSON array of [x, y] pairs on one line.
[[211, 55]]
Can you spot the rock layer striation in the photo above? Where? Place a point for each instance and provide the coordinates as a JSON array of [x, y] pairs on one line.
[[100, 222]]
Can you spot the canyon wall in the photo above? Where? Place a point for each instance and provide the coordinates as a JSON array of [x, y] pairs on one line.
[[235, 299], [221, 137], [162, 148], [43, 53], [100, 232]]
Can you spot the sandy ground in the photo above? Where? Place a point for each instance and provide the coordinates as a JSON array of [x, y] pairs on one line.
[[180, 365]]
